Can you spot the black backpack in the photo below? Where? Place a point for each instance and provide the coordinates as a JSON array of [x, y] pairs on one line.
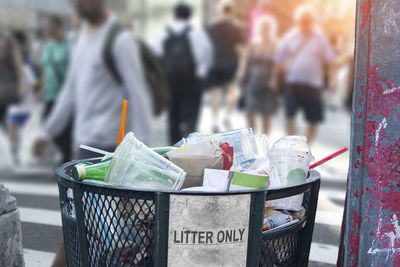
[[178, 59], [152, 68]]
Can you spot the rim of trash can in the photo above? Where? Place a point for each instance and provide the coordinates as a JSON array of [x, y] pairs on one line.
[[68, 181]]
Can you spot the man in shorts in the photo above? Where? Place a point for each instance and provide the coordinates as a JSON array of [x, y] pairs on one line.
[[228, 40], [303, 57]]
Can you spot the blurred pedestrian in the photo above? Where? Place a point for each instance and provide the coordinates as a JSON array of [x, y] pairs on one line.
[[259, 75], [260, 10], [186, 53], [19, 113], [227, 38], [55, 60], [11, 73], [76, 23], [303, 57], [93, 96], [349, 85]]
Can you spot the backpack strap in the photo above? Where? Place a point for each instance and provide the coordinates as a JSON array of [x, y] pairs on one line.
[[109, 61], [185, 31]]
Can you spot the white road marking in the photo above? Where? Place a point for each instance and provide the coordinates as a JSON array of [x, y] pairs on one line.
[[323, 253], [319, 253], [32, 188], [36, 258], [40, 216], [329, 217], [333, 194]]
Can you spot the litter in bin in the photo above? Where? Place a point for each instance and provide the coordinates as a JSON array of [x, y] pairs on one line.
[[278, 219], [233, 181], [290, 158], [243, 142], [134, 165], [194, 158], [236, 160]]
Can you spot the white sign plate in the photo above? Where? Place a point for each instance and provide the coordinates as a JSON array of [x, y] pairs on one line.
[[208, 230]]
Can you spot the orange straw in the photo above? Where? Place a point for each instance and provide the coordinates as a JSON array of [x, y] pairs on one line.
[[122, 128]]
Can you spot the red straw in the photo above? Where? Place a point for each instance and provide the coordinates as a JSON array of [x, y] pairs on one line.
[[122, 128], [337, 153]]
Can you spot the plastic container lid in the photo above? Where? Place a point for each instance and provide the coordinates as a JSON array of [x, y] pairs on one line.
[[291, 146]]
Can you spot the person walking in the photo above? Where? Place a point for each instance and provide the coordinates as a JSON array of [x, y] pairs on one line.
[[228, 40], [186, 54], [259, 74], [304, 56], [93, 96], [55, 60], [91, 93], [19, 113], [11, 73]]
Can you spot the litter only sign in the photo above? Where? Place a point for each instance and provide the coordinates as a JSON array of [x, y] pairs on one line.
[[208, 230], [208, 237]]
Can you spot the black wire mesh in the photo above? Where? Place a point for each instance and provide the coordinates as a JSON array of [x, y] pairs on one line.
[[120, 224], [119, 227], [72, 244], [282, 251]]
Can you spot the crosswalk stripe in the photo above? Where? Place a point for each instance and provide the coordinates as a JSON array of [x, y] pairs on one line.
[[40, 216], [320, 253], [329, 217], [334, 194], [36, 258], [52, 189], [32, 188], [323, 253]]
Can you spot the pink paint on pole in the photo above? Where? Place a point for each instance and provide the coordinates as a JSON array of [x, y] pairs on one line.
[[381, 158], [366, 10], [354, 238]]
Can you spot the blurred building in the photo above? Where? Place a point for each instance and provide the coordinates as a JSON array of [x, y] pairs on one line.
[[337, 16], [29, 14]]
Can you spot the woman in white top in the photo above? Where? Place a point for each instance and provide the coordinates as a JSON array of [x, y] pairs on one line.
[[259, 89]]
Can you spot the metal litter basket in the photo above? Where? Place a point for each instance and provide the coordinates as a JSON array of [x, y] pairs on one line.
[[108, 226]]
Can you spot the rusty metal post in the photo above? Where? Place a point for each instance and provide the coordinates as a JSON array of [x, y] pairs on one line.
[[371, 232]]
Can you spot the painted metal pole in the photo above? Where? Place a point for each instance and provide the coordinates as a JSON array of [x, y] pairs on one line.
[[371, 232]]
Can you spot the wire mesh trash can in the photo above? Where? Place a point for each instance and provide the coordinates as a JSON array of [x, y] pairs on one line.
[[109, 226]]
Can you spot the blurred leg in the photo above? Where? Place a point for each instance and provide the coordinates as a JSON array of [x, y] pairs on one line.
[[290, 126], [251, 118], [3, 112], [174, 118], [190, 109], [230, 105], [63, 142], [266, 124], [47, 109], [232, 99], [13, 138], [61, 259], [216, 95], [311, 129], [12, 133], [291, 103]]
